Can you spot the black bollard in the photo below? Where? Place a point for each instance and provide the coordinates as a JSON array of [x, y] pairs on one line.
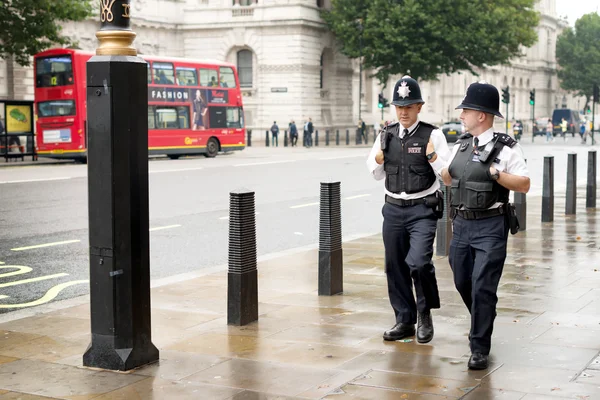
[[285, 138], [242, 277], [571, 200], [331, 272], [590, 192], [337, 137], [347, 137], [327, 137], [444, 227], [521, 209], [548, 190], [249, 138], [119, 239], [316, 138], [267, 138], [357, 138]]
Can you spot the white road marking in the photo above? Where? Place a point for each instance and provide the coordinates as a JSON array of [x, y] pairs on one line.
[[305, 205], [299, 233], [342, 157], [46, 245], [175, 170], [265, 163], [227, 217], [36, 180], [30, 280], [160, 228], [2, 296], [357, 196]]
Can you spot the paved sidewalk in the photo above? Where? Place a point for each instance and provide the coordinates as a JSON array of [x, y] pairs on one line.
[[545, 345]]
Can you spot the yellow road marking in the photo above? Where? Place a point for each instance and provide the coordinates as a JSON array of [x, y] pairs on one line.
[[50, 295], [1, 262], [357, 196], [37, 279], [21, 270], [46, 245], [3, 297], [160, 228], [305, 205]]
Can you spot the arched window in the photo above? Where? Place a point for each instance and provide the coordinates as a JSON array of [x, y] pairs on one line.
[[244, 65]]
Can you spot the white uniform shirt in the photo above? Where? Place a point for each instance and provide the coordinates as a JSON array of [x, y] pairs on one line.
[[443, 155]]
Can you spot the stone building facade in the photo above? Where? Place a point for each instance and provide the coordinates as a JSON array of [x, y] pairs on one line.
[[288, 63]]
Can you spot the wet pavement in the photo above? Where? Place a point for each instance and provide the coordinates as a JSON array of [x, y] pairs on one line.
[[545, 346]]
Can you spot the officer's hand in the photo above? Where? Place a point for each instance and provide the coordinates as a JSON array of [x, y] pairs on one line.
[[430, 148], [379, 157]]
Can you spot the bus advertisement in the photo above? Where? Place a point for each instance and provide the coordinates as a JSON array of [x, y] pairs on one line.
[[194, 107]]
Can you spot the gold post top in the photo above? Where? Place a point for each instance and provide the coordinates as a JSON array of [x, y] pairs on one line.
[[115, 35], [116, 43]]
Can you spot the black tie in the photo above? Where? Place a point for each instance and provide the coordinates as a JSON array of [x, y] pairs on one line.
[[405, 132], [476, 141]]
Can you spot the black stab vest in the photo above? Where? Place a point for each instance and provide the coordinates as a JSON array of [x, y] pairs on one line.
[[472, 187], [406, 166]]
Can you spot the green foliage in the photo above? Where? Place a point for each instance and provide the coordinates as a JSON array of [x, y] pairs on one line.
[[578, 55], [31, 26], [433, 37]]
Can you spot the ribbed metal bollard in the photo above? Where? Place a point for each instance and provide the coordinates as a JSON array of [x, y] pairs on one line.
[[337, 137], [242, 277], [331, 273], [316, 138], [521, 209], [267, 138], [548, 190], [444, 227], [249, 141], [285, 139], [327, 137], [590, 192], [571, 200], [347, 137]]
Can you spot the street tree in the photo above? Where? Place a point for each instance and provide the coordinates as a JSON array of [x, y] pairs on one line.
[[578, 56], [31, 26], [429, 38]]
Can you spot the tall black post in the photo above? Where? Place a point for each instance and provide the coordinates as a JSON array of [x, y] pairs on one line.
[[331, 272], [337, 137], [358, 138], [590, 193], [249, 138], [316, 137], [347, 137], [444, 226], [571, 200], [548, 190], [521, 209], [117, 106], [327, 137], [267, 138], [285, 139], [242, 278]]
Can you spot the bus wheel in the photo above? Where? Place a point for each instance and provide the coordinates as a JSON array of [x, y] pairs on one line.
[[173, 156], [212, 148]]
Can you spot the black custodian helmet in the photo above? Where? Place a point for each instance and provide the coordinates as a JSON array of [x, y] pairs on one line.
[[481, 96], [407, 92]]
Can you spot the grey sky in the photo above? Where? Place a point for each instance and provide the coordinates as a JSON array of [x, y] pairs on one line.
[[574, 9]]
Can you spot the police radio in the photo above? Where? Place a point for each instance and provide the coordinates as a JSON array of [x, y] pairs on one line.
[[489, 151]]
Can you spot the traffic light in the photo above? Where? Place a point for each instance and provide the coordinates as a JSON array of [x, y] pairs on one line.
[[532, 97], [596, 94], [506, 95], [380, 104]]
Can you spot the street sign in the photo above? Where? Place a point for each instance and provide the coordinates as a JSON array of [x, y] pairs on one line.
[[279, 90]]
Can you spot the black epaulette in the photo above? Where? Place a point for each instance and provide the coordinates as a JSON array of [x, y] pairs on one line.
[[465, 136], [428, 125], [505, 139]]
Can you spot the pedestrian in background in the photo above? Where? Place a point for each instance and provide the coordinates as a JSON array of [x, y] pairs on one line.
[[293, 134], [274, 134]]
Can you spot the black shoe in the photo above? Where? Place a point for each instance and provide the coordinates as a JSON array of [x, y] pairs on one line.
[[399, 331], [478, 361], [425, 327]]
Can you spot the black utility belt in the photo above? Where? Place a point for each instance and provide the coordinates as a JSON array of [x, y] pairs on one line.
[[481, 214], [407, 203]]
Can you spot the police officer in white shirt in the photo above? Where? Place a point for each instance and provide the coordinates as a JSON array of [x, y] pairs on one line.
[[410, 155], [484, 167]]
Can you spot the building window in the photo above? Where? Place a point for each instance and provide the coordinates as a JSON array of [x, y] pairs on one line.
[[320, 3], [321, 73], [244, 2], [244, 65]]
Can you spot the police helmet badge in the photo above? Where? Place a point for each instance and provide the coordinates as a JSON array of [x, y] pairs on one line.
[[403, 90]]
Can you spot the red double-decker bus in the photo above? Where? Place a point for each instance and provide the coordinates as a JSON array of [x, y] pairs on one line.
[[194, 107]]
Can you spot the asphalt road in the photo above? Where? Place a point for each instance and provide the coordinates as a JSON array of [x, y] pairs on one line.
[[46, 206]]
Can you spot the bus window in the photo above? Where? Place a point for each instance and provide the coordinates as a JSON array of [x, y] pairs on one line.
[[151, 118], [227, 77], [149, 74], [163, 73], [235, 117], [186, 76], [208, 77], [183, 113], [53, 71], [56, 108], [166, 118]]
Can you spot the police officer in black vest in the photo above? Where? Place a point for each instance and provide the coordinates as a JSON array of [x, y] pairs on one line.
[[484, 167], [408, 154]]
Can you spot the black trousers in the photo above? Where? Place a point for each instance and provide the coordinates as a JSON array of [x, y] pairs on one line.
[[477, 254], [408, 234]]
